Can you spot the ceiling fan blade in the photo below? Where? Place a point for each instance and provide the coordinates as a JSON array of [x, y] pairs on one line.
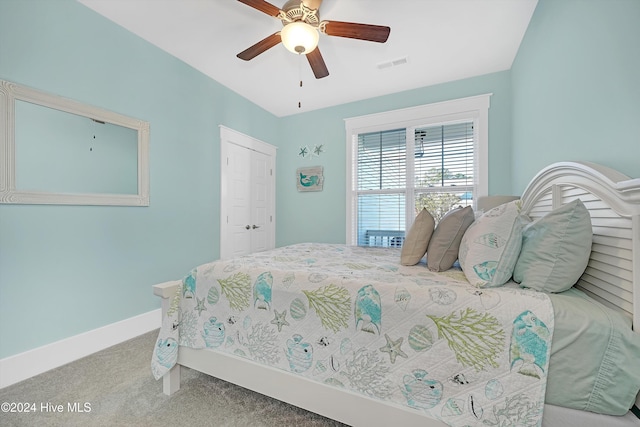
[[262, 46], [372, 33], [317, 63], [262, 6]]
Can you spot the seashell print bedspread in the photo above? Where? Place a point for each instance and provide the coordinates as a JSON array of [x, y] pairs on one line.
[[354, 318]]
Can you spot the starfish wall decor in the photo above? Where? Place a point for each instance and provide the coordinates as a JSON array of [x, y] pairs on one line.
[[305, 151]]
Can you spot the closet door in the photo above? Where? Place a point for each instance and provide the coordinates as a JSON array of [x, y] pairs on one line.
[[247, 221], [238, 220], [261, 169]]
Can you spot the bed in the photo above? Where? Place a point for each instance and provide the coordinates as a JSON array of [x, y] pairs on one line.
[[353, 335]]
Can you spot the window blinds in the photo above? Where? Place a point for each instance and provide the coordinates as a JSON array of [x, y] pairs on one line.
[[381, 183], [441, 176], [444, 155], [382, 160], [444, 168]]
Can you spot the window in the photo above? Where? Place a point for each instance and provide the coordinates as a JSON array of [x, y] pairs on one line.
[[398, 162], [444, 167], [381, 177]]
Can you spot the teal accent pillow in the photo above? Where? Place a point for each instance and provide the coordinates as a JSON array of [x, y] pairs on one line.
[[555, 249], [491, 245]]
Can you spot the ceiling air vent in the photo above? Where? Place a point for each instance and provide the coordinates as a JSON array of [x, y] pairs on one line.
[[394, 63]]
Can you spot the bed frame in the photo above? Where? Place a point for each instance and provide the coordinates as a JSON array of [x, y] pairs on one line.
[[612, 277]]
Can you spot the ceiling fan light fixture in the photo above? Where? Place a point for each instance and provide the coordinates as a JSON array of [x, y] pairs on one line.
[[299, 37]]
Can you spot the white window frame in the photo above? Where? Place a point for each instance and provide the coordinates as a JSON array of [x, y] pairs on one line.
[[474, 108]]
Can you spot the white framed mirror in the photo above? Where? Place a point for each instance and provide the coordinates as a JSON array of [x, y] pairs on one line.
[[55, 150]]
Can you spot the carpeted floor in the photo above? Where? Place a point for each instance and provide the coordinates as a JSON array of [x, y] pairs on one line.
[[114, 387]]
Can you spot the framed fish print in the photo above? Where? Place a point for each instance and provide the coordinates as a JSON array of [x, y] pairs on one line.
[[310, 178]]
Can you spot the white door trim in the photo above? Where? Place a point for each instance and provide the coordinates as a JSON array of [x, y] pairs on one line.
[[239, 138]]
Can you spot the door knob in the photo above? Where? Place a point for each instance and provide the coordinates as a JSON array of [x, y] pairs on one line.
[[255, 226], [248, 227]]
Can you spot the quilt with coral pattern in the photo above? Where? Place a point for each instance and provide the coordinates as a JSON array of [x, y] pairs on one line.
[[354, 318]]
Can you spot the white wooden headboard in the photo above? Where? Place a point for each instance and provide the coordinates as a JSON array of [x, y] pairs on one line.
[[613, 200]]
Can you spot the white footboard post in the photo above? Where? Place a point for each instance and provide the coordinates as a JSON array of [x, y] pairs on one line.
[[171, 381], [166, 290]]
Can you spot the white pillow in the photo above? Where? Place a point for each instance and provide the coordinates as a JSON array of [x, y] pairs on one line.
[[417, 239], [555, 249], [491, 245]]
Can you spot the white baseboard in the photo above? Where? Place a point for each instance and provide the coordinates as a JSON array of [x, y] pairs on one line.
[[25, 365]]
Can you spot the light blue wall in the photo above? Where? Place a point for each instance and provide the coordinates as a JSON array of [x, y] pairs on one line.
[[65, 270], [320, 216], [70, 269], [572, 94], [576, 87]]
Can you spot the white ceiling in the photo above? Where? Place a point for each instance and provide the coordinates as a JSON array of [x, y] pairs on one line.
[[443, 40]]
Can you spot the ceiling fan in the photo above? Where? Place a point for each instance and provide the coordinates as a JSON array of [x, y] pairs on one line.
[[301, 24]]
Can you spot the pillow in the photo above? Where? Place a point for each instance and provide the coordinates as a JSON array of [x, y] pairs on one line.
[[490, 247], [416, 241], [592, 349], [443, 247], [555, 249]]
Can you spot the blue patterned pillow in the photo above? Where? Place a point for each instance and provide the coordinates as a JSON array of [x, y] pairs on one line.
[[491, 245]]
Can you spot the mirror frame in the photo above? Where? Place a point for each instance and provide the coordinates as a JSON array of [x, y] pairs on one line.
[[9, 93]]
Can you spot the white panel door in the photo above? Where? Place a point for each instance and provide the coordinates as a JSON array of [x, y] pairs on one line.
[[247, 195], [238, 228], [261, 170]]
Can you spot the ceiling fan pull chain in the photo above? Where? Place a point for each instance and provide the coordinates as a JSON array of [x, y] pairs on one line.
[[300, 76]]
